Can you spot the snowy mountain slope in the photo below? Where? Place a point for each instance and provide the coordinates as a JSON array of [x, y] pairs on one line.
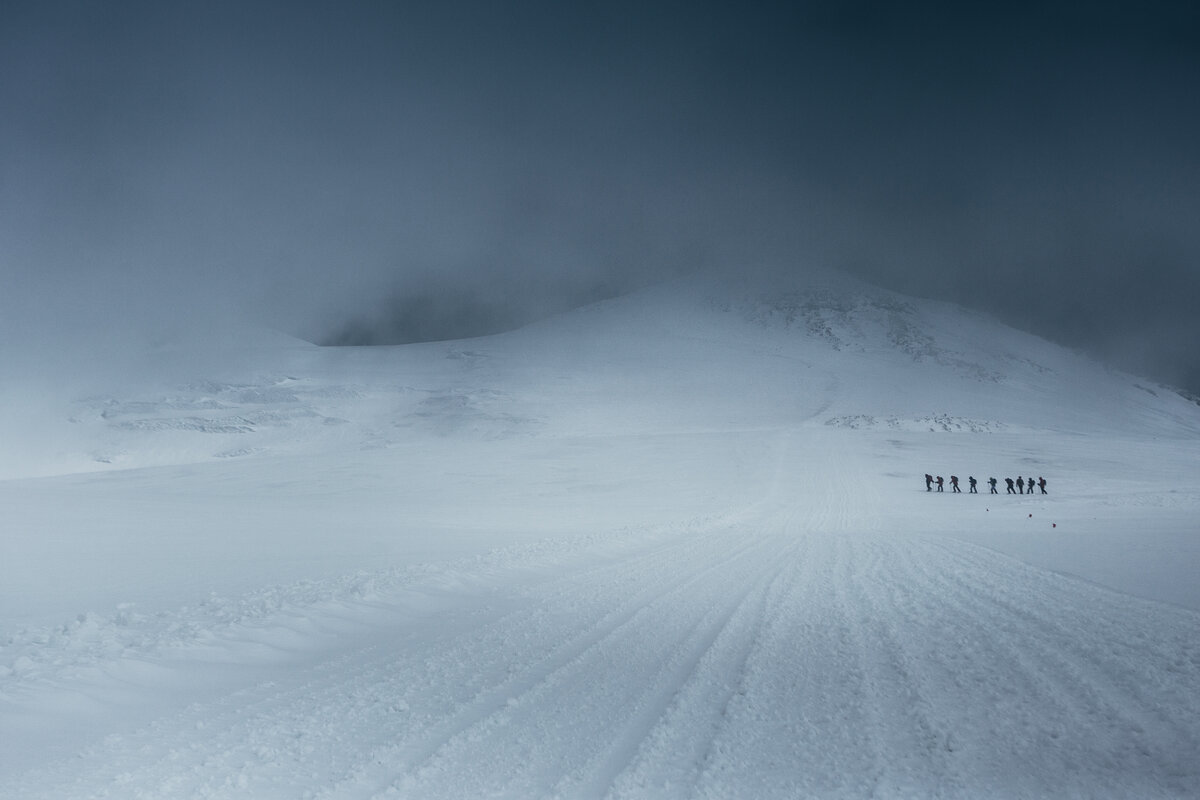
[[688, 354], [671, 545]]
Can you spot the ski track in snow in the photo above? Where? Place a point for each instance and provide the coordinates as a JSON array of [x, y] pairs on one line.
[[814, 631], [780, 652]]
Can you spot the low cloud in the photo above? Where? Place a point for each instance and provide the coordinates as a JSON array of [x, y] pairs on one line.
[[372, 173]]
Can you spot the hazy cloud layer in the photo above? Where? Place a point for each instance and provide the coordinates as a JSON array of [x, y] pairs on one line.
[[424, 169]]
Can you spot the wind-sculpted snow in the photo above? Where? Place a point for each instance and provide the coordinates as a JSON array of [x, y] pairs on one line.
[[230, 424], [862, 319], [932, 424], [675, 545], [481, 412], [218, 411]]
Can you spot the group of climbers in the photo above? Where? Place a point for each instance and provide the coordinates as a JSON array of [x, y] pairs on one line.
[[1022, 485]]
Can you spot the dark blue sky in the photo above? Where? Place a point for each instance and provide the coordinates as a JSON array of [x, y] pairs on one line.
[[319, 165]]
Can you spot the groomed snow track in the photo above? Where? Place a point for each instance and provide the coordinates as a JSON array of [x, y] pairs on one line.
[[778, 652]]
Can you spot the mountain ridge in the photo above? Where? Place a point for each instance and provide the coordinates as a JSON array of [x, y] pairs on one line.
[[691, 354]]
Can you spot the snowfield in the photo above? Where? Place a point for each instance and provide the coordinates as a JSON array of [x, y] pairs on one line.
[[672, 545]]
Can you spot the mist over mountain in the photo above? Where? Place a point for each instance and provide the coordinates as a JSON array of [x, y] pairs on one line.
[[437, 310], [370, 172]]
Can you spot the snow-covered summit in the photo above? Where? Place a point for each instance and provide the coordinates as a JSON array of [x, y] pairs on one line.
[[861, 352], [820, 348]]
